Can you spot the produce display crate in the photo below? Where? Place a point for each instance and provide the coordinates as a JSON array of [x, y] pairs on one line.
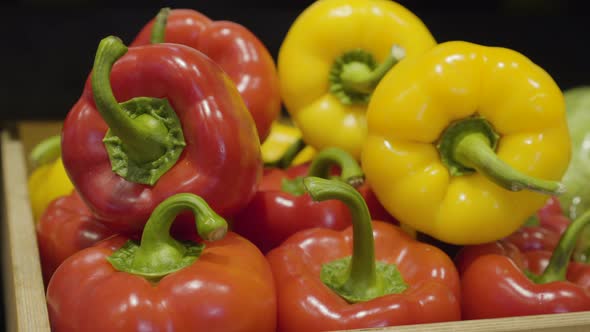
[[24, 295]]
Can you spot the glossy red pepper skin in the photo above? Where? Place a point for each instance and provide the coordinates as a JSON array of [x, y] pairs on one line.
[[545, 236], [237, 50], [468, 254], [552, 218], [577, 273], [221, 161], [228, 288], [494, 285], [273, 214], [530, 238], [66, 227], [306, 304]]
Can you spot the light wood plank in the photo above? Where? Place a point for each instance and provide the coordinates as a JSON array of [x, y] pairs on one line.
[[568, 322], [23, 285]]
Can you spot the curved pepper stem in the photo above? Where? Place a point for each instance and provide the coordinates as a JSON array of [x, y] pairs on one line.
[[159, 254], [159, 28], [556, 270], [145, 137], [469, 145], [350, 171], [46, 151], [355, 74], [360, 277]]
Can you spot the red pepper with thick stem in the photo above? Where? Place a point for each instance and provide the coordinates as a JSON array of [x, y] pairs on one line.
[[494, 285], [372, 274], [235, 48], [282, 207], [223, 283], [66, 227], [157, 120]]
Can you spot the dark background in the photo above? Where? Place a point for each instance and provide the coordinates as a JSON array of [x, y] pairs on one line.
[[48, 46]]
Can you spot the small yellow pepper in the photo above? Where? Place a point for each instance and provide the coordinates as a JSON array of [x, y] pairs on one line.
[[332, 57], [456, 133], [282, 138], [49, 179]]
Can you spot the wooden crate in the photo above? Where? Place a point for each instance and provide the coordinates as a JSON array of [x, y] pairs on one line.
[[24, 299]]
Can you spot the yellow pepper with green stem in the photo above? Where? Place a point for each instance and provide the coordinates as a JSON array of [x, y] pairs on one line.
[[331, 59], [48, 179], [465, 141]]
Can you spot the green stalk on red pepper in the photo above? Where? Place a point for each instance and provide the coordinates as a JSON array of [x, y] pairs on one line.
[[219, 283], [153, 121], [281, 206], [497, 281], [370, 274]]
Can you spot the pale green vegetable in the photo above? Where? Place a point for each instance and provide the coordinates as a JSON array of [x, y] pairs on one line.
[[577, 177]]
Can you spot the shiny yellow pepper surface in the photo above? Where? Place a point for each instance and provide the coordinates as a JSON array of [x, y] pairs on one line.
[[49, 179], [332, 57], [465, 141]]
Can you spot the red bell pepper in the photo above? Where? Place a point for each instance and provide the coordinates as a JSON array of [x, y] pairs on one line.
[[181, 128], [66, 227], [372, 274], [221, 284], [235, 48], [281, 206], [551, 216], [577, 273], [529, 238], [468, 254], [494, 285], [543, 230]]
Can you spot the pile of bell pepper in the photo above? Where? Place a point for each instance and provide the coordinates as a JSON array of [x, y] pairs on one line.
[[177, 196]]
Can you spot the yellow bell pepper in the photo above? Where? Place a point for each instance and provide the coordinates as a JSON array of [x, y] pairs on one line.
[[49, 179], [332, 57], [283, 140], [456, 133]]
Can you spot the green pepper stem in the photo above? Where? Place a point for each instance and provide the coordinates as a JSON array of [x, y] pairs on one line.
[[362, 276], [159, 28], [355, 74], [556, 270], [288, 156], [144, 136], [468, 145], [358, 77], [46, 151], [582, 250], [210, 225], [474, 151], [350, 170], [158, 253]]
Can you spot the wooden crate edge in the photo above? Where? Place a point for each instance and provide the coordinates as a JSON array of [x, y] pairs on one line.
[[24, 293], [566, 322]]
